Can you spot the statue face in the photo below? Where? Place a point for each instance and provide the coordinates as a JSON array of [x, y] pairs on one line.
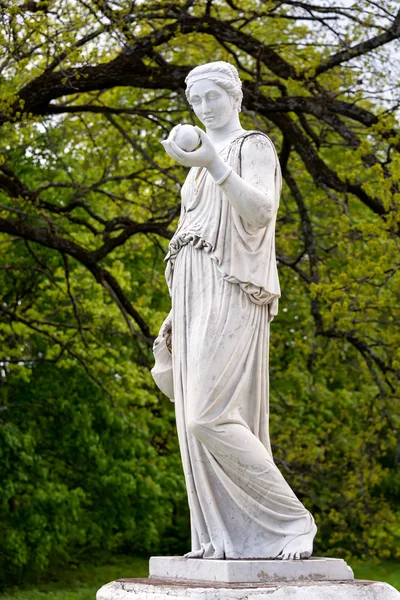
[[213, 106]]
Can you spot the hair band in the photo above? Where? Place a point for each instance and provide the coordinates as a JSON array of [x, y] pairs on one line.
[[193, 78]]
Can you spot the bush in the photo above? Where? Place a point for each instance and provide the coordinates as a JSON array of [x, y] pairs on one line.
[[79, 475]]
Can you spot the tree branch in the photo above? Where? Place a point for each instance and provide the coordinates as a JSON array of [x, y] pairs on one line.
[[360, 49], [44, 237]]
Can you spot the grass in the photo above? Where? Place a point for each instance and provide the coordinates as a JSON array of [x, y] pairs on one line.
[[388, 571], [83, 583]]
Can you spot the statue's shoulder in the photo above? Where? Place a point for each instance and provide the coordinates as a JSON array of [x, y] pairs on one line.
[[253, 138], [253, 144], [249, 145]]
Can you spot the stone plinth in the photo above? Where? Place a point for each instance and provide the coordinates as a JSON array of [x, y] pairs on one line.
[[152, 589], [177, 578], [249, 571]]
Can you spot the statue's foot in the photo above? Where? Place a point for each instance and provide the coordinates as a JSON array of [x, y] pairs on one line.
[[300, 555], [195, 554], [300, 548]]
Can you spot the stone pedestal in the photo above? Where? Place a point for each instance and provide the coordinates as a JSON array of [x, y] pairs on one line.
[[249, 571], [176, 578]]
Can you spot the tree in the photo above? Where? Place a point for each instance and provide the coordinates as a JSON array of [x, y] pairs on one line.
[[89, 198]]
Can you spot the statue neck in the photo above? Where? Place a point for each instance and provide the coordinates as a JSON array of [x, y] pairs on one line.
[[223, 136]]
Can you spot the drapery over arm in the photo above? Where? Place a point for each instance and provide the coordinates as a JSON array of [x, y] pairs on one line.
[[244, 253], [252, 192]]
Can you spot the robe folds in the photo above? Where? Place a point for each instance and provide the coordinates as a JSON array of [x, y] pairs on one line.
[[223, 280]]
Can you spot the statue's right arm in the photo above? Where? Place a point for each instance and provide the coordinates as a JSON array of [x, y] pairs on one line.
[[165, 332]]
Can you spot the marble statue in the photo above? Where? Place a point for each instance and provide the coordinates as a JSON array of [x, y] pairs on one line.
[[212, 350]]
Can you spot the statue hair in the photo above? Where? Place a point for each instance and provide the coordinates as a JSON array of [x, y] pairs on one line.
[[229, 80]]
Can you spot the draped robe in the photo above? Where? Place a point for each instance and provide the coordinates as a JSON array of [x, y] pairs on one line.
[[224, 285]]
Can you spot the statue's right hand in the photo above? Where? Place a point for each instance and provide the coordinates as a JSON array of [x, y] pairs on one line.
[[162, 371], [166, 331]]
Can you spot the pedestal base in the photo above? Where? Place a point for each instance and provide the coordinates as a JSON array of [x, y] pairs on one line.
[[152, 589], [249, 571], [178, 578]]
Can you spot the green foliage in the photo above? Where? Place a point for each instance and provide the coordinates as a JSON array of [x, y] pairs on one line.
[[77, 476], [88, 200]]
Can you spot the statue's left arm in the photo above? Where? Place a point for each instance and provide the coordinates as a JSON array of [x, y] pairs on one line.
[[252, 193]]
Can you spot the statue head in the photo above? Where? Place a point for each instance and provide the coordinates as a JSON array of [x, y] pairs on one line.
[[214, 91]]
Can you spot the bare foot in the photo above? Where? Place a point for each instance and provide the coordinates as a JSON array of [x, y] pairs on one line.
[[300, 548], [302, 555], [194, 554]]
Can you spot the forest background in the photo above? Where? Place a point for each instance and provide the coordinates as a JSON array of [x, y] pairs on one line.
[[89, 461]]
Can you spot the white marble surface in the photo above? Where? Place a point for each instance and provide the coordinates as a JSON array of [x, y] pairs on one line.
[[187, 137], [223, 279], [253, 571], [355, 590]]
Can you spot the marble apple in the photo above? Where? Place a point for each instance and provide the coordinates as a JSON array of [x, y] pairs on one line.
[[187, 138]]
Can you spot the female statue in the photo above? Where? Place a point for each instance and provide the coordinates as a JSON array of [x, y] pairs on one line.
[[223, 280]]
